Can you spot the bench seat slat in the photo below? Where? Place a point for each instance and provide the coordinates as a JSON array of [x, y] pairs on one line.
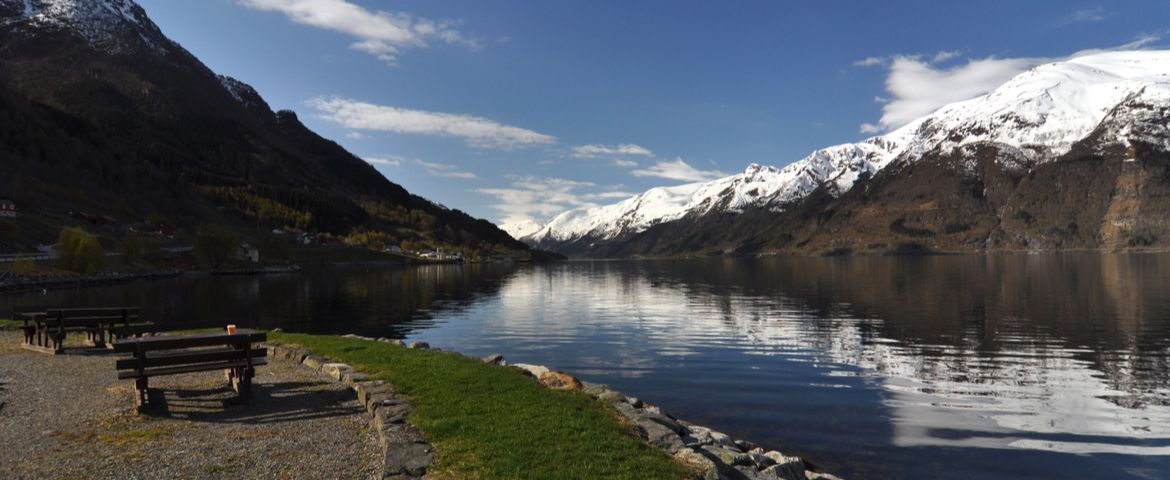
[[203, 367], [189, 356]]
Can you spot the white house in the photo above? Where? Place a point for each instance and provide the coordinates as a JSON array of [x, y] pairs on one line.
[[248, 252]]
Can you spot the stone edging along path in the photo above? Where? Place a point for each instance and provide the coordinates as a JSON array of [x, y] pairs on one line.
[[405, 451], [407, 455]]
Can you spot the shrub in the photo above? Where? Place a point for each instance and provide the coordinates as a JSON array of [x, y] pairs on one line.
[[23, 266], [80, 251]]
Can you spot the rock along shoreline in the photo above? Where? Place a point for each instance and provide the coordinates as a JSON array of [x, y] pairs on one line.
[[715, 455]]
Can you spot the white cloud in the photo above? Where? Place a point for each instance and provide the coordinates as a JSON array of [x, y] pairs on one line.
[[391, 160], [477, 131], [445, 170], [917, 87], [937, 57], [678, 170], [625, 163], [355, 135], [529, 198], [1086, 15], [381, 33], [589, 151], [870, 62], [944, 55]]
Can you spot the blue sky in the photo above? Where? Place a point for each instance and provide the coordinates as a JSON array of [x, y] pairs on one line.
[[522, 109]]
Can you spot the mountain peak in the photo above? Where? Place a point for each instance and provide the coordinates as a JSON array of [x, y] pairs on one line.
[[115, 26]]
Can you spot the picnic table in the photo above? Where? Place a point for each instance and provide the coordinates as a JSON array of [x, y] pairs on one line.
[[196, 352], [45, 328]]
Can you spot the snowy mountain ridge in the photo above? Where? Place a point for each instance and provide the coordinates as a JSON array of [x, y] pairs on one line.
[[107, 24], [1039, 114]]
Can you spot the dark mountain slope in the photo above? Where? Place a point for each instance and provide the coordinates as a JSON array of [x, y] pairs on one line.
[[102, 113]]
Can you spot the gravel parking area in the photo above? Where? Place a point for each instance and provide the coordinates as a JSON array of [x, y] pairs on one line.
[[67, 416]]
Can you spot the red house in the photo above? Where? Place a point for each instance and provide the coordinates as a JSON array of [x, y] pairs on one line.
[[7, 208]]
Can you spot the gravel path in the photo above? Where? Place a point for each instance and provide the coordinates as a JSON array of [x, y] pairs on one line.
[[66, 416]]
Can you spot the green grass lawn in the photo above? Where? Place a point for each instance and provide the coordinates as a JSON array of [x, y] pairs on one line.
[[4, 322], [489, 422]]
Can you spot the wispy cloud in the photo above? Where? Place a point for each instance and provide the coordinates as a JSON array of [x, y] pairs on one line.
[[678, 170], [590, 151], [917, 86], [445, 170], [383, 34], [936, 57], [1086, 15], [944, 55], [532, 198], [477, 131], [625, 163], [390, 160]]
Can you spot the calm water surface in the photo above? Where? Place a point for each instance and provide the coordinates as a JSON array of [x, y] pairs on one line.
[[939, 367]]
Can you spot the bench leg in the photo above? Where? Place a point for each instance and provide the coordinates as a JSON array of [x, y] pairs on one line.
[[242, 383], [141, 385]]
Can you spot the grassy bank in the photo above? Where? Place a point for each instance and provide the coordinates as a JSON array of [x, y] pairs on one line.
[[491, 422]]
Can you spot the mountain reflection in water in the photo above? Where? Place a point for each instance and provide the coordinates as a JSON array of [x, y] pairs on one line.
[[959, 367]]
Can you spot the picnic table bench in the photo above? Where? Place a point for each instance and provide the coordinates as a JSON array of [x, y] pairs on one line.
[[45, 330], [197, 352], [28, 314]]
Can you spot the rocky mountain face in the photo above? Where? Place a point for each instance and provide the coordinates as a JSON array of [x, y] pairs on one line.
[[101, 112], [1069, 155]]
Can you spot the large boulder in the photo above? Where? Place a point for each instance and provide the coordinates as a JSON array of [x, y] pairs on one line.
[[534, 370], [560, 381], [787, 468], [658, 435], [706, 468]]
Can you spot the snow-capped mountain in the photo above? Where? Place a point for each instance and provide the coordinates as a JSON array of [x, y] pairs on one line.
[[114, 26], [1037, 116]]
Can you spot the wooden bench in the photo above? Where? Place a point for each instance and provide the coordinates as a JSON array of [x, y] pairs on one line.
[[151, 329], [197, 352], [52, 327]]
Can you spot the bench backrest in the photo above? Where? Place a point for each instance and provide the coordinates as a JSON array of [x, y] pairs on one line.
[[195, 340], [87, 317], [191, 357], [150, 328], [20, 310]]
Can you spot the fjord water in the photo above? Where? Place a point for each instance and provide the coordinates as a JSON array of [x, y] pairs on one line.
[[1014, 366]]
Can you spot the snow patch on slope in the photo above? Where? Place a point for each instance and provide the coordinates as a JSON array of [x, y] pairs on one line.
[[106, 24]]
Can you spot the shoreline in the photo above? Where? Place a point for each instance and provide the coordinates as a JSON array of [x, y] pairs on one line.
[[713, 454], [82, 281]]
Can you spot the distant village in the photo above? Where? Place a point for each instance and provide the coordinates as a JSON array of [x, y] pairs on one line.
[[156, 245]]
